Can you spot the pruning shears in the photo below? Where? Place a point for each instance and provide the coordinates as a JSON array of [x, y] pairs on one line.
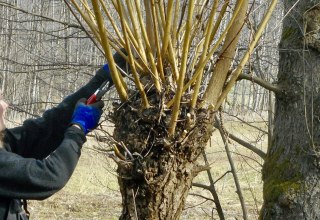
[[97, 95]]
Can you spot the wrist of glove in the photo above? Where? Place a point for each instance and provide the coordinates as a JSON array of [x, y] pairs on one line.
[[87, 116], [107, 74], [104, 72]]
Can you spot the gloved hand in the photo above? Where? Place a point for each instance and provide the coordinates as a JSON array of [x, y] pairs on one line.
[[87, 116]]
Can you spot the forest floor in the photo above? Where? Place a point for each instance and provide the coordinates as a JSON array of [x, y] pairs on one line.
[[92, 192]]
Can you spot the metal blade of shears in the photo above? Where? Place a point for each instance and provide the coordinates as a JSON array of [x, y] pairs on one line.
[[97, 95]]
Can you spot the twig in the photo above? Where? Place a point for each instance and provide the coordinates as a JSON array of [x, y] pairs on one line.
[[234, 172], [201, 196], [134, 203], [261, 82], [247, 123], [229, 171], [243, 143], [82, 27], [213, 189], [41, 16], [200, 203], [127, 150]]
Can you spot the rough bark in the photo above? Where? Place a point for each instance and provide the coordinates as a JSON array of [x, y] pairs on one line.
[[291, 171], [155, 181]]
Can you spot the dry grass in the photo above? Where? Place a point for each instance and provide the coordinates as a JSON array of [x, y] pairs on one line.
[[92, 192]]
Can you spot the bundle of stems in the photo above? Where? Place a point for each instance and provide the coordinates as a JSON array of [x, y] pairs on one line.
[[172, 41]]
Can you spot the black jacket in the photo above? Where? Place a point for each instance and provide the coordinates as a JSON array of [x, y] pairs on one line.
[[38, 158]]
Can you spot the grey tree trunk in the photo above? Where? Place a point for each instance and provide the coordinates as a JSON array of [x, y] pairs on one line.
[[291, 172], [156, 172]]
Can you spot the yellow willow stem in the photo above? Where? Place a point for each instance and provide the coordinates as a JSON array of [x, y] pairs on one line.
[[199, 20], [222, 37], [161, 13], [209, 29], [150, 56], [115, 4], [159, 19], [173, 61], [132, 62], [111, 19], [198, 51], [141, 63], [135, 25], [116, 47], [181, 25], [175, 23], [211, 52], [167, 29], [218, 22], [88, 10], [246, 57], [86, 18], [116, 77], [157, 41], [172, 54], [178, 95], [114, 40], [138, 49], [94, 30], [149, 22]]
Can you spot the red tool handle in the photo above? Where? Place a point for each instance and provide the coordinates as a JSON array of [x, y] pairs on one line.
[[92, 99], [98, 93]]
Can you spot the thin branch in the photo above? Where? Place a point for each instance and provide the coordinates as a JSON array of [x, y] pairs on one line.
[[211, 188], [201, 196], [41, 16], [242, 142], [229, 171], [131, 61], [202, 186], [82, 27], [261, 82], [233, 170]]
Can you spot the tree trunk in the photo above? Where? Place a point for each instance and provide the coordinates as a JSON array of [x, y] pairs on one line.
[[155, 179], [291, 172]]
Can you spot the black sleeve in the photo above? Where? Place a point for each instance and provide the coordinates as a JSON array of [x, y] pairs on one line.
[[28, 178], [37, 138]]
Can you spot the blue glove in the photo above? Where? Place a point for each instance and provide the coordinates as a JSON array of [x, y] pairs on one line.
[[107, 74], [87, 116], [104, 72]]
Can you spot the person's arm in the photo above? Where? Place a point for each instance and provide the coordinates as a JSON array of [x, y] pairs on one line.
[[36, 138], [28, 178]]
